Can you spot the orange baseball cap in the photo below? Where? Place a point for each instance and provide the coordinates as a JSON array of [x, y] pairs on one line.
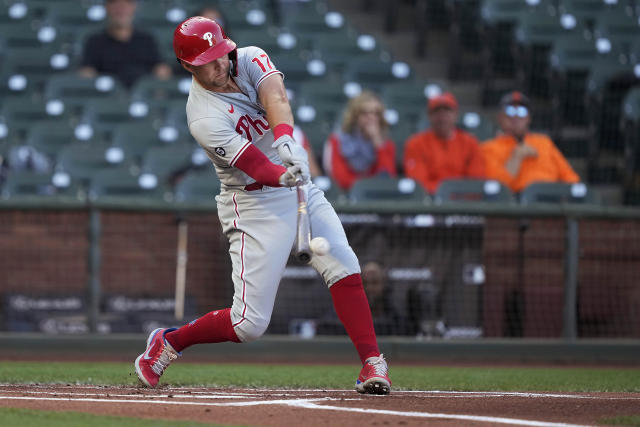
[[445, 99]]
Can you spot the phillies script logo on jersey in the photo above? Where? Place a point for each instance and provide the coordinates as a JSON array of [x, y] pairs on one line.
[[246, 123]]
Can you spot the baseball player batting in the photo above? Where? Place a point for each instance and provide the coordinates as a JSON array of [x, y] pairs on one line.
[[239, 113]]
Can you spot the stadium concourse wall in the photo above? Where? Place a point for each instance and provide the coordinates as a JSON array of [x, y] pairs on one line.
[[541, 279]]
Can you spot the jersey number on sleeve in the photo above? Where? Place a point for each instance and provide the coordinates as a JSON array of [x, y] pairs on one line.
[[260, 64]]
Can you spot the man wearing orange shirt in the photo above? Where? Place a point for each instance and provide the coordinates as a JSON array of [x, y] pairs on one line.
[[443, 151], [517, 157]]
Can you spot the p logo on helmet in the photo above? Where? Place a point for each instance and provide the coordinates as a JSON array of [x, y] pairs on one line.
[[208, 37]]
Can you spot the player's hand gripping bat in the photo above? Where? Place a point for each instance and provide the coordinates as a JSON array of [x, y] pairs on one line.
[[303, 248]]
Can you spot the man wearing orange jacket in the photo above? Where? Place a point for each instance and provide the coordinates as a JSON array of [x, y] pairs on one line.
[[517, 157], [443, 151]]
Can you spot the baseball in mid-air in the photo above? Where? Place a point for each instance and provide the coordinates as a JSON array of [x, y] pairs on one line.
[[320, 245]]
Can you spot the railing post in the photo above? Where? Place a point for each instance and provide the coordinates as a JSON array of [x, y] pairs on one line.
[[569, 312], [94, 269]]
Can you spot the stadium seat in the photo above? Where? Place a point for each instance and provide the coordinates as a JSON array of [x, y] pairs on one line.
[[332, 192], [317, 133], [581, 10], [558, 192], [15, 36], [198, 186], [406, 99], [120, 182], [49, 137], [35, 65], [374, 74], [480, 125], [82, 159], [631, 106], [24, 183], [265, 40], [154, 15], [337, 50], [75, 91], [400, 134], [19, 114], [472, 190], [616, 27], [385, 188], [167, 161], [135, 138], [100, 116], [150, 88]]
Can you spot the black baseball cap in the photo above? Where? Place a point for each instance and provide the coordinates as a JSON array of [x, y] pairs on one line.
[[514, 98]]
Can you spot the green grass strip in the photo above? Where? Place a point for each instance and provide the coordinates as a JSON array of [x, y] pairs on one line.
[[632, 420], [38, 418], [333, 376]]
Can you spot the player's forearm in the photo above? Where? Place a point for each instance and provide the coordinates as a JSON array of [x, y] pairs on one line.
[[255, 164], [274, 98]]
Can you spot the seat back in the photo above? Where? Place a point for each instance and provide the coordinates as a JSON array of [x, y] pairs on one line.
[[385, 188], [558, 192], [472, 190]]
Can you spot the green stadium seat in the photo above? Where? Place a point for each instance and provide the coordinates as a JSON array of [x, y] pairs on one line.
[[337, 50], [472, 190], [400, 134], [136, 138], [17, 36], [265, 40], [50, 137], [482, 126], [375, 74], [75, 91], [101, 116], [495, 12], [24, 183], [317, 133], [296, 70], [617, 26], [582, 10], [558, 192], [82, 159], [327, 98], [16, 12], [407, 99], [19, 114], [198, 186], [332, 192], [120, 182], [387, 189], [153, 15], [36, 65], [167, 161]]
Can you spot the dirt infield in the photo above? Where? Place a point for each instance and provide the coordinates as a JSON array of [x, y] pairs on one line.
[[258, 407]]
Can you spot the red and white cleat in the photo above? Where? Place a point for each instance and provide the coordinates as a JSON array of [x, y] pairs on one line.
[[159, 354], [374, 377]]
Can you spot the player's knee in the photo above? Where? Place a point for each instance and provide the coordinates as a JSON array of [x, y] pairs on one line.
[[251, 330]]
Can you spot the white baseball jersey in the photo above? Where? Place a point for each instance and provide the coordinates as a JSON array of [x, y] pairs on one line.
[[224, 124], [260, 224]]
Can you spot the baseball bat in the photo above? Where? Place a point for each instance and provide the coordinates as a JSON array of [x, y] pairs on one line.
[[181, 268], [303, 249]]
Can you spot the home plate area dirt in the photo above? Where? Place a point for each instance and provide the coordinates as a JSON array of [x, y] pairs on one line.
[[262, 407]]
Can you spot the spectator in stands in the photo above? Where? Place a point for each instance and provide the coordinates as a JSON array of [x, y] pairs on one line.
[[443, 151], [121, 49], [215, 15], [518, 157], [362, 148]]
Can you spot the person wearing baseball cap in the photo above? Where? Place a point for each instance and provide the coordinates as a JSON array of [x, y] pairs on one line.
[[518, 157], [443, 151]]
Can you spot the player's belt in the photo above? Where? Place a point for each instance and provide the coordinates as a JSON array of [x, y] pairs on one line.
[[253, 186]]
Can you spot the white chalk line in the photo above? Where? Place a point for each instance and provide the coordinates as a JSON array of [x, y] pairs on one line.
[[308, 404]]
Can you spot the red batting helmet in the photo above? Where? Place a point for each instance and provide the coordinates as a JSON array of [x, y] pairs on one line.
[[199, 40]]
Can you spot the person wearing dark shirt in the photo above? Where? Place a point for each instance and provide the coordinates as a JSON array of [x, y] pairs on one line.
[[122, 50]]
